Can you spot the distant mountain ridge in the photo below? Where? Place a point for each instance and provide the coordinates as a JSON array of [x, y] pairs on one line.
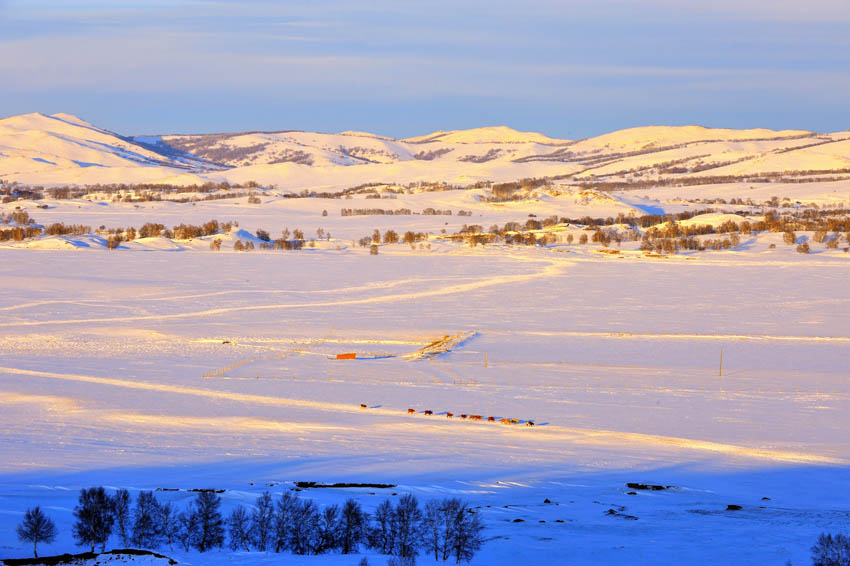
[[64, 149]]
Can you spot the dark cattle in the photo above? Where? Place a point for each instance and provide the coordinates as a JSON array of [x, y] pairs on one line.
[[429, 412], [411, 411], [463, 415], [475, 417], [529, 423], [449, 415], [491, 419], [362, 405]]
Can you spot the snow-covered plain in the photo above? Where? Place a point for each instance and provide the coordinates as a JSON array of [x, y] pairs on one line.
[[162, 364], [115, 371]]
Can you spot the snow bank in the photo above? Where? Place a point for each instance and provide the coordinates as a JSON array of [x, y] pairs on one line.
[[122, 556]]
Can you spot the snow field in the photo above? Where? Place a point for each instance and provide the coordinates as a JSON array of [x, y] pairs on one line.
[[164, 364], [104, 357]]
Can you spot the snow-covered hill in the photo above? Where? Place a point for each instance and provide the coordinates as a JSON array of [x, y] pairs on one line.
[[63, 149], [493, 134]]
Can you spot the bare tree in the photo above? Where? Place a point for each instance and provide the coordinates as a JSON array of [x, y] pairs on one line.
[[283, 520], [187, 532], [35, 528], [209, 520], [239, 527], [169, 525], [121, 512], [210, 227], [147, 527], [466, 537], [438, 527], [408, 526], [353, 523], [382, 534], [94, 518], [831, 550], [328, 529], [262, 522], [303, 535]]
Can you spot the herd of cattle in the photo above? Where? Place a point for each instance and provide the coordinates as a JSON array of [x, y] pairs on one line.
[[429, 413]]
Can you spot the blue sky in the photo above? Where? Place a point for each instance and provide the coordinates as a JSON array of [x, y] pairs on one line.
[[570, 69]]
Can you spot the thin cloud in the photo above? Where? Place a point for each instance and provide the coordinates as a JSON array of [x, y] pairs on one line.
[[554, 54]]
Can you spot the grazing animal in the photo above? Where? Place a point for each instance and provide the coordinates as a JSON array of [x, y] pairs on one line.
[[411, 411], [506, 421], [463, 415], [514, 421], [429, 412], [491, 419], [362, 405], [449, 415], [529, 423], [475, 417]]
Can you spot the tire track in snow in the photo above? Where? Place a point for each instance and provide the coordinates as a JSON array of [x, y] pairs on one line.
[[377, 286], [557, 434], [554, 268]]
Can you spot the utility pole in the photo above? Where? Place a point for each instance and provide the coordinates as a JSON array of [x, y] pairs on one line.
[[720, 372]]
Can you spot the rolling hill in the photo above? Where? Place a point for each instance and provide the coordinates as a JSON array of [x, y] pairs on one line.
[[63, 149]]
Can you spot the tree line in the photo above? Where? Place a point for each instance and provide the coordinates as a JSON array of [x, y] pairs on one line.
[[390, 212], [664, 233], [448, 528], [24, 226], [128, 192]]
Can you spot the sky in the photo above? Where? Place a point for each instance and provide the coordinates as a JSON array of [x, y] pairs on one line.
[[570, 68]]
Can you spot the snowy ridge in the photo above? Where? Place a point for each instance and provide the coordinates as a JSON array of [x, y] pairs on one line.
[[63, 149], [492, 134]]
